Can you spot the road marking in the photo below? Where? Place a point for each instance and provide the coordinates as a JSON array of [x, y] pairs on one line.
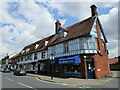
[[9, 79], [64, 84], [84, 87], [24, 85]]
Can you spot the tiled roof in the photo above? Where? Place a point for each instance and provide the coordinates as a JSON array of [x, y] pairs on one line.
[[76, 30], [39, 48], [79, 29]]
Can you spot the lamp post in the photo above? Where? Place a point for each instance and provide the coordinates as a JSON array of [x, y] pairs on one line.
[[51, 58]]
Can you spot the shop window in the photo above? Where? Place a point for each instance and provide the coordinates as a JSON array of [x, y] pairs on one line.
[[43, 55], [66, 47], [72, 68], [33, 66], [56, 69], [42, 66], [35, 56]]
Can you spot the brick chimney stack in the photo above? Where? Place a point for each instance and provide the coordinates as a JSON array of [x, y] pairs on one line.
[[94, 10], [57, 26]]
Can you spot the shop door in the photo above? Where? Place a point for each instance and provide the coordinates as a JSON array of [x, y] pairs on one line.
[[90, 68]]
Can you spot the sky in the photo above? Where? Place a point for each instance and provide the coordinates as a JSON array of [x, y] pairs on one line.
[[23, 22]]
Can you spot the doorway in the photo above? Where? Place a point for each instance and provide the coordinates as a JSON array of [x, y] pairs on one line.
[[90, 68]]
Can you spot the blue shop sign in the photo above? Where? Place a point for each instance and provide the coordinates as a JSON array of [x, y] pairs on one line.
[[75, 60]]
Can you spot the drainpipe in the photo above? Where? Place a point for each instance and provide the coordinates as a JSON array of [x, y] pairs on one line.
[[85, 65]]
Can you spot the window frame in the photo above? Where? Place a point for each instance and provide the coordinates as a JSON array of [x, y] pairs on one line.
[[35, 56], [43, 54], [66, 47]]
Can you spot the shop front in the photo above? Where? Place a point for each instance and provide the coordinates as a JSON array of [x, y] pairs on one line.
[[71, 66], [42, 67]]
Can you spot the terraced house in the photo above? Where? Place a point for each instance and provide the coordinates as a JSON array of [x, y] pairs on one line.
[[77, 50]]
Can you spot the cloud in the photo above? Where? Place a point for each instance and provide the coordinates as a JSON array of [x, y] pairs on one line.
[[27, 22], [110, 25], [81, 10], [30, 22]]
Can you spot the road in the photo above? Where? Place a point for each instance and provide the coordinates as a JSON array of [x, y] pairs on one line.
[[11, 81]]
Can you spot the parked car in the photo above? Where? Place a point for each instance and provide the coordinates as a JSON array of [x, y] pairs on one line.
[[20, 72], [6, 70]]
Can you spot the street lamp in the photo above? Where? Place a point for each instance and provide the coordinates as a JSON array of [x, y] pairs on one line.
[[52, 58]]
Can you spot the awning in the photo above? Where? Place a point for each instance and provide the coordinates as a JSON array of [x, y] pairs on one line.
[[75, 60]]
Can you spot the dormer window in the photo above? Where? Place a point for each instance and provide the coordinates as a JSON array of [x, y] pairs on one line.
[[28, 49], [45, 43], [65, 33], [23, 51], [36, 46]]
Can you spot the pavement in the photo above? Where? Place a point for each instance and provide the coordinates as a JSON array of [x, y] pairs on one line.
[[77, 81]]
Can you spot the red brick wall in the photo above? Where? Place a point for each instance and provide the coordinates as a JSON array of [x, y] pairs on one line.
[[101, 59], [101, 62]]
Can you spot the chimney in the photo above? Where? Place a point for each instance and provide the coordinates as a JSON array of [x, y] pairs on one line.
[[94, 10], [57, 26]]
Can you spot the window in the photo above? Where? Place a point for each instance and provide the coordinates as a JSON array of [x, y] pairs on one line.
[[36, 46], [66, 47], [29, 57], [21, 59], [25, 58], [53, 49], [22, 51], [18, 59], [56, 69], [65, 33], [35, 56], [43, 55], [42, 66], [45, 43], [27, 49]]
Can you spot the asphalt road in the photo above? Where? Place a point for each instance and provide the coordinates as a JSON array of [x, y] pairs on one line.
[[11, 81]]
